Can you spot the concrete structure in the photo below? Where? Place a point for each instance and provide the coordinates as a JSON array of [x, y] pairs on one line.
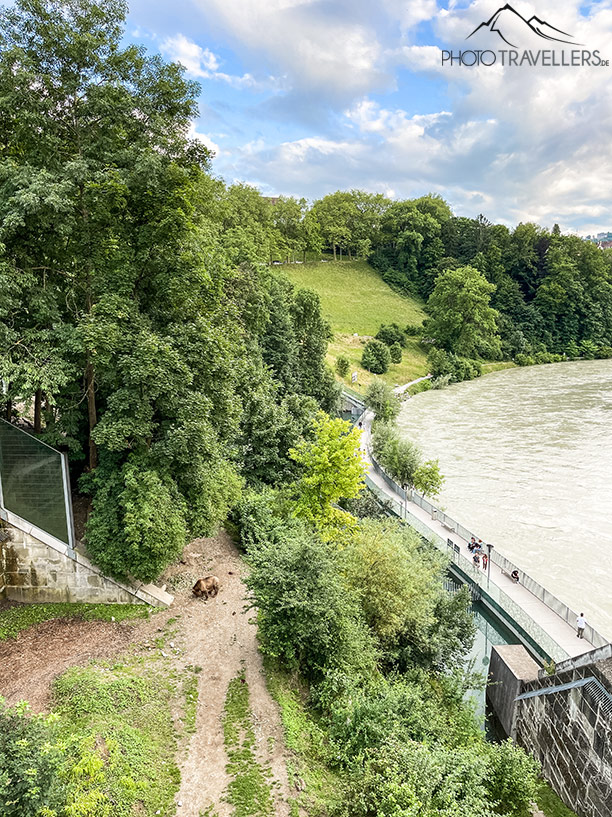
[[35, 571], [510, 668], [563, 719]]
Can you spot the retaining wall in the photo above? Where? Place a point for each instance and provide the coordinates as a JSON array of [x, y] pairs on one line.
[[36, 571], [569, 730]]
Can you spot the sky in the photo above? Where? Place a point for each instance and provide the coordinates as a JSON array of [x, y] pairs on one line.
[[304, 97]]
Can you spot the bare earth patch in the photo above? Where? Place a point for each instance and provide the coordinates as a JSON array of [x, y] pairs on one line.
[[218, 635], [29, 663]]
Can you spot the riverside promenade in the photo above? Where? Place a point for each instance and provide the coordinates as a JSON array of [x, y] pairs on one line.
[[553, 633]]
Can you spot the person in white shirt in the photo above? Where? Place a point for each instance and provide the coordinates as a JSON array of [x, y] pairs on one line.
[[580, 625]]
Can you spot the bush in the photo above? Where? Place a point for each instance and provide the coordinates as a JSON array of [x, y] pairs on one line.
[[376, 357], [390, 334], [308, 618], [342, 365], [139, 523], [524, 360], [588, 349], [511, 780], [604, 352], [443, 364], [383, 401], [413, 330], [395, 350], [29, 764]]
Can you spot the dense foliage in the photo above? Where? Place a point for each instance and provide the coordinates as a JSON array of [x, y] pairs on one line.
[[364, 620], [138, 328]]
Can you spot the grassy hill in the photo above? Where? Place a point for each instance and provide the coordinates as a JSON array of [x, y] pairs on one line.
[[355, 299]]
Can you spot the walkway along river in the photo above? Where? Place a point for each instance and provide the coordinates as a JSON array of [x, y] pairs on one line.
[[527, 456], [545, 623]]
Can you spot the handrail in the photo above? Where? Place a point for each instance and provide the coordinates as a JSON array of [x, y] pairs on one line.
[[536, 589]]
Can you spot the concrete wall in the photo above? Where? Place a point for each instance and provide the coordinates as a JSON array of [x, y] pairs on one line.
[[569, 731], [509, 668], [35, 571]]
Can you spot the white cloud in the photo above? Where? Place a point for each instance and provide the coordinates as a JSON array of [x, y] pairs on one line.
[[318, 48], [201, 63], [205, 139]]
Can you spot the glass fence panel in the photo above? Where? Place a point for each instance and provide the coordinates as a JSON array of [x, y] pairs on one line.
[[32, 481]]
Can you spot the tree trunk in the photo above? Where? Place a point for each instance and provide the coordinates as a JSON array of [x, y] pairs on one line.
[[37, 411], [334, 252], [9, 410], [349, 253], [90, 386], [341, 253]]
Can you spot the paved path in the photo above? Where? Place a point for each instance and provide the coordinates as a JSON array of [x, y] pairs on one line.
[[556, 627]]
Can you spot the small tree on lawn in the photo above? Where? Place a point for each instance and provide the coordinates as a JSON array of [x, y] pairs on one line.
[[376, 357]]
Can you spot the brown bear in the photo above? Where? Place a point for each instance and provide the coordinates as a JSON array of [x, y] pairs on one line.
[[206, 587]]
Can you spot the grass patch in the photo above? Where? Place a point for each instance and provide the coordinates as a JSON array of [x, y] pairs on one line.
[[413, 365], [487, 368], [115, 724], [15, 619], [550, 803], [190, 691], [309, 770], [249, 790], [354, 298]]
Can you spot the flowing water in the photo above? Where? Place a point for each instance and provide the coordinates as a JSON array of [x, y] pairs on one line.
[[527, 456]]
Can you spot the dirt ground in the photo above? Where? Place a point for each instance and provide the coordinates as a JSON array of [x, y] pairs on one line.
[[218, 635]]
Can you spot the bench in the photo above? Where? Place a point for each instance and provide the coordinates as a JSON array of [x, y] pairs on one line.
[[447, 526]]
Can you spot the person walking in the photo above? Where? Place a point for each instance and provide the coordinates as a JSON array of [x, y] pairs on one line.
[[485, 560], [580, 625]]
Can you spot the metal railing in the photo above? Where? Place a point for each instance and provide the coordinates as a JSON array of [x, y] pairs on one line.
[[514, 613]]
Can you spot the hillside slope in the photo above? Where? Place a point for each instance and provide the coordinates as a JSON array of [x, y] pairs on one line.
[[355, 300]]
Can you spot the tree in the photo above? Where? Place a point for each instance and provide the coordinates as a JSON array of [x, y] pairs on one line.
[[376, 357], [462, 321], [342, 365], [395, 350], [383, 401], [332, 470]]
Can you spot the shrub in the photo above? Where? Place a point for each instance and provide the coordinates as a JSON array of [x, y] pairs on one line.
[[604, 352], [308, 618], [588, 349], [413, 330], [139, 523], [29, 764], [511, 779], [376, 357], [524, 360], [391, 333], [342, 365], [383, 401], [395, 350]]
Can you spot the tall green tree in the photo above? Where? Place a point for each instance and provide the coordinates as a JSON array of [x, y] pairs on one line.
[[461, 318]]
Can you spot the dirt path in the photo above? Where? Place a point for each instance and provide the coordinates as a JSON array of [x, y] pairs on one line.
[[219, 636]]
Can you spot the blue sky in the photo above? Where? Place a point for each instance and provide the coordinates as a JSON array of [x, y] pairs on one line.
[[303, 97]]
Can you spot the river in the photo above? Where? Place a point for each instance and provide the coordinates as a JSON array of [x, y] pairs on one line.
[[527, 457]]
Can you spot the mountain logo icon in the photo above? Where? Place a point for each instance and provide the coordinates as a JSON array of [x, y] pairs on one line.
[[510, 25]]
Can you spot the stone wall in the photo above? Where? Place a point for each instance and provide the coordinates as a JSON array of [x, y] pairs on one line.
[[36, 571], [509, 668], [569, 731]]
